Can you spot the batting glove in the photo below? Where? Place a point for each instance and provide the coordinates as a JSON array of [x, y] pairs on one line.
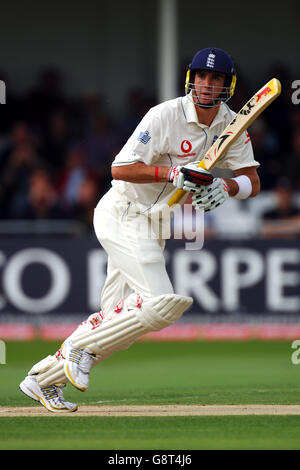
[[179, 175], [212, 196]]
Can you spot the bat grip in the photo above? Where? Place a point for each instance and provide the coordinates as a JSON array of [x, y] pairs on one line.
[[180, 193], [176, 197]]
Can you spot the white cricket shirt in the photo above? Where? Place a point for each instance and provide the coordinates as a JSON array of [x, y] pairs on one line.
[[170, 134]]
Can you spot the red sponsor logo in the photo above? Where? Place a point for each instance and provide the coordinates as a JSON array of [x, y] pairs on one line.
[[186, 148], [264, 92]]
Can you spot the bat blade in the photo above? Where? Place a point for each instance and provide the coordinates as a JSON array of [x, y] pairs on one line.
[[243, 119]]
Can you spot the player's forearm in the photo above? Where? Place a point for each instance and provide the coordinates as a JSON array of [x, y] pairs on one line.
[[140, 173], [253, 180], [233, 186]]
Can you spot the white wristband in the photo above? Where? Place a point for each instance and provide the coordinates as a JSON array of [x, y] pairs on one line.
[[245, 187]]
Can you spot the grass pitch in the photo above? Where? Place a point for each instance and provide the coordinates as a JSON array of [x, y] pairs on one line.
[[250, 372]]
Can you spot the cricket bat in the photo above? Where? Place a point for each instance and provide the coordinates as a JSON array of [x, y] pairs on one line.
[[244, 118]]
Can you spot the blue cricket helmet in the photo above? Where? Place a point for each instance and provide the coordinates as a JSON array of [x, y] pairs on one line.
[[216, 60]]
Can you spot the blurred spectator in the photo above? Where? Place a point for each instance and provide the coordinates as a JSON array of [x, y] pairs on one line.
[[74, 173], [137, 106], [91, 105], [241, 94], [278, 115], [45, 97], [42, 200], [292, 161], [88, 197], [295, 118], [18, 159], [20, 134], [57, 139], [100, 142], [83, 109], [284, 220], [100, 146], [15, 178], [266, 152], [285, 206], [15, 110]]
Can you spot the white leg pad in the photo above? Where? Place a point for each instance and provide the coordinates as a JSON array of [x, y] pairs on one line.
[[133, 318], [43, 365], [49, 371], [54, 375]]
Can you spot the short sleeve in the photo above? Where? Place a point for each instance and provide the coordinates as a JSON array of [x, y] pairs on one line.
[[239, 155], [146, 144]]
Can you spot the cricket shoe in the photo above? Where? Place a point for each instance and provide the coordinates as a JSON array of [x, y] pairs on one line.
[[77, 366], [50, 397]]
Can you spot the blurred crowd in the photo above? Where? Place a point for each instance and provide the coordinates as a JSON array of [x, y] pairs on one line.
[[56, 152]]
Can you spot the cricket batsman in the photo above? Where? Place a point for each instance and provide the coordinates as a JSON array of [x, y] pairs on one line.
[[159, 158]]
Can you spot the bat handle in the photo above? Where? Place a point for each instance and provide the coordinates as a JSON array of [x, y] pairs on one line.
[[176, 197], [180, 193]]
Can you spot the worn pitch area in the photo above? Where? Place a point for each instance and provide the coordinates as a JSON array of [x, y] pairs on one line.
[[157, 410]]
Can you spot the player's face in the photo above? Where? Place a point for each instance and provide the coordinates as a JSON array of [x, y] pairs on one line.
[[208, 86]]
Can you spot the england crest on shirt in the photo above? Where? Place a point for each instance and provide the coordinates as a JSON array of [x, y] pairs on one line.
[[144, 137]]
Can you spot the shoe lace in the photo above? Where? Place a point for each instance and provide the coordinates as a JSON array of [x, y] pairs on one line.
[[83, 358], [59, 390], [76, 355], [50, 392]]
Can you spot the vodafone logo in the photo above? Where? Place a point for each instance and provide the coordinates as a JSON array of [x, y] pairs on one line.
[[186, 146]]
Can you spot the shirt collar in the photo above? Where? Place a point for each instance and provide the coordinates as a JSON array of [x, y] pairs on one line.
[[191, 114]]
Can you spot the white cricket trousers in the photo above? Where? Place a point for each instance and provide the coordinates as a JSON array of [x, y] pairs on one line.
[[136, 261]]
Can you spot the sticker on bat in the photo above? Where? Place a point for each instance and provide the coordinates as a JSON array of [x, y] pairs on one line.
[[244, 111]]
